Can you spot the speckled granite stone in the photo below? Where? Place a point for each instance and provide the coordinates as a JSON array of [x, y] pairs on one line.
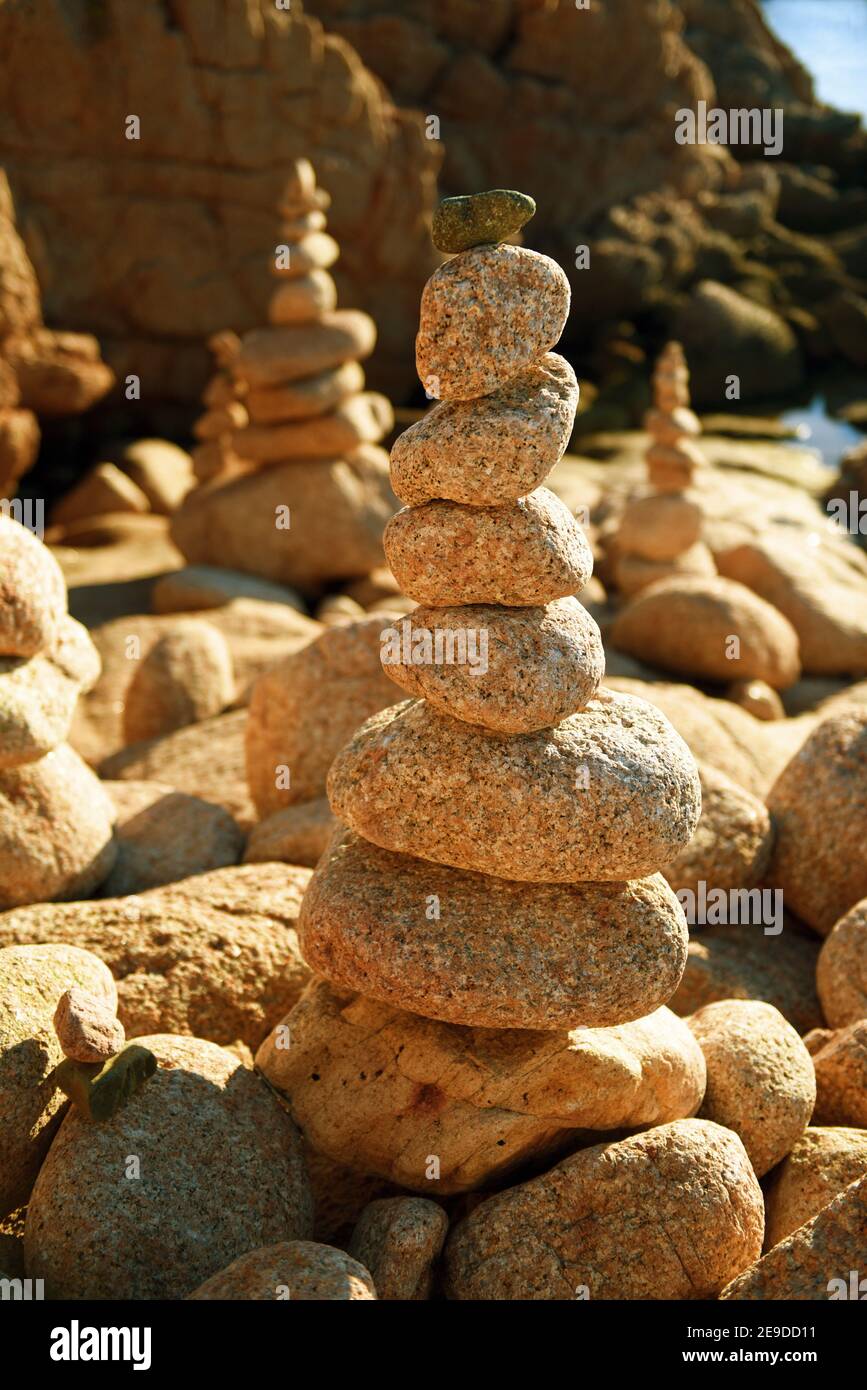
[[841, 974], [32, 591], [297, 1270], [399, 1240], [819, 1167], [611, 793]]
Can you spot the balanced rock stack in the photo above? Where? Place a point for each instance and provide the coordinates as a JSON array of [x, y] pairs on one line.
[[496, 945], [289, 425], [56, 821], [660, 533]]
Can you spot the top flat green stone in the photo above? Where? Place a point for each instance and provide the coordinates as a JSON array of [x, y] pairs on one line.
[[480, 218]]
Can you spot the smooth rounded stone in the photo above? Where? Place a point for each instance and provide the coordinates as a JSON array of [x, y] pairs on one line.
[[760, 1078], [362, 419], [304, 710], [87, 1029], [215, 956], [271, 356], [336, 609], [513, 670], [841, 1077], [164, 835], [814, 1262], [384, 1091], [306, 397], [820, 1166], [758, 698], [483, 952], [686, 625], [295, 835], [221, 1174], [819, 805], [485, 315], [533, 551], [740, 962], [32, 592], [661, 526], [611, 793], [56, 830], [38, 694], [399, 1240], [336, 511], [670, 427], [733, 841], [841, 972], [161, 469], [479, 218], [32, 980], [316, 251], [104, 489], [208, 586], [492, 450], [204, 760], [634, 573], [295, 225], [298, 1270], [303, 299], [674, 1213], [186, 676]]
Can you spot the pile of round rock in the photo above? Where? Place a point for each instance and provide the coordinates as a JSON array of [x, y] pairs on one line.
[[56, 821], [288, 439], [660, 533], [494, 944]]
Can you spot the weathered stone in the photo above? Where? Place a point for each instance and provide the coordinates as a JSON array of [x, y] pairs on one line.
[[530, 552], [220, 1161], [687, 625], [485, 952], [56, 830], [164, 835], [511, 670], [362, 419], [760, 1078], [87, 1029], [486, 314], [296, 835], [660, 526], [299, 1270], [399, 1240], [733, 841], [819, 807], [740, 962], [304, 710], [611, 793], [215, 956], [32, 592], [104, 489], [841, 1077], [185, 677], [382, 1090], [303, 299], [38, 695], [305, 398], [820, 1166], [272, 356], [841, 972], [815, 1261], [32, 980], [670, 1214], [161, 469], [494, 449]]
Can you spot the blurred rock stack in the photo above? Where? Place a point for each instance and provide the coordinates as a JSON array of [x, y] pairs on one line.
[[660, 533], [56, 820], [293, 487]]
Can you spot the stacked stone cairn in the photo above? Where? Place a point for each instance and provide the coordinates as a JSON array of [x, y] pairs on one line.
[[56, 820], [98, 1073], [287, 401], [493, 943], [660, 532]]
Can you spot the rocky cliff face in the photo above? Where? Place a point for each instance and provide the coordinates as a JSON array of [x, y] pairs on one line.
[[156, 242]]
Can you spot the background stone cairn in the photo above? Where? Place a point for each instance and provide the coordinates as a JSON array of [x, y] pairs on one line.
[[56, 820], [487, 919], [292, 394], [660, 533]]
